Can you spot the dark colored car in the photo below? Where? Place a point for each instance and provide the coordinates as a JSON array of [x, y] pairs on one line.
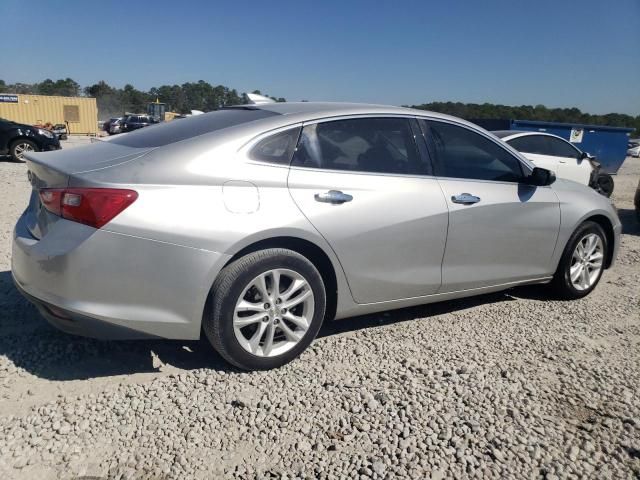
[[135, 122], [16, 139], [60, 129]]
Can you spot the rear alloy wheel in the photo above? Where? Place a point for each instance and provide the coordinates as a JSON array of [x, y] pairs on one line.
[[20, 148], [267, 307], [582, 262]]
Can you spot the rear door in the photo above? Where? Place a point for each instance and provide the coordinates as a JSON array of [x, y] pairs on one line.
[[363, 185], [501, 230]]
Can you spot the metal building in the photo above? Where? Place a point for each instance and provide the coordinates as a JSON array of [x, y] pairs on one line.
[[607, 144], [80, 114]]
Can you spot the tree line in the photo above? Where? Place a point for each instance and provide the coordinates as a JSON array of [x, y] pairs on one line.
[[528, 112], [113, 101], [201, 95]]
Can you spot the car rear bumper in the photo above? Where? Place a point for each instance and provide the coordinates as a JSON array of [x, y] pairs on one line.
[[102, 284], [82, 325]]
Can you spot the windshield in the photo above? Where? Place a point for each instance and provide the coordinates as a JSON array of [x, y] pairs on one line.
[[171, 132]]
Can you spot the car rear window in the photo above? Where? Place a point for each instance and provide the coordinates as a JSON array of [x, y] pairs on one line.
[[171, 132]]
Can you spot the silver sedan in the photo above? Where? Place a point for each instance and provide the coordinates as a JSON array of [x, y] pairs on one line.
[[256, 223]]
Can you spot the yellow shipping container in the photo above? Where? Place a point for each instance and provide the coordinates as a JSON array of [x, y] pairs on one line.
[[80, 114]]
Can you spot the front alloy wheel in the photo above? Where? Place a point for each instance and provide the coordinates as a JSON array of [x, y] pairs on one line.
[[586, 262], [582, 262]]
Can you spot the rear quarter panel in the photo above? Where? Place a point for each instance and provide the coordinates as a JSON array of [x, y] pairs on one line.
[[206, 194]]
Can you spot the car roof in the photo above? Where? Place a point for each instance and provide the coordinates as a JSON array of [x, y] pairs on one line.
[[292, 112], [272, 116], [329, 109], [511, 134]]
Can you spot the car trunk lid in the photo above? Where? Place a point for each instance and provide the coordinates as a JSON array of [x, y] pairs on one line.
[[57, 169]]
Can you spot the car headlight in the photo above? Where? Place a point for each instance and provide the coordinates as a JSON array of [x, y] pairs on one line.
[[45, 133]]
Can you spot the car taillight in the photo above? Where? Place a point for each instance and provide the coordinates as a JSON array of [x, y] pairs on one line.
[[92, 206]]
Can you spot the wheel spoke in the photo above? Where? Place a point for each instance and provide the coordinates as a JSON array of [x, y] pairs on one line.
[[250, 320], [597, 256], [245, 306], [275, 286], [300, 322], [296, 285], [261, 285], [268, 339], [297, 300], [290, 334], [575, 272], [254, 343], [590, 244], [585, 278]]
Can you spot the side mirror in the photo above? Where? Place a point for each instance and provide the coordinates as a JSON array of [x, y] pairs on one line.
[[541, 177]]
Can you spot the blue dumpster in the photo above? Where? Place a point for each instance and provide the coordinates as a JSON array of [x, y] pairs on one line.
[[607, 144]]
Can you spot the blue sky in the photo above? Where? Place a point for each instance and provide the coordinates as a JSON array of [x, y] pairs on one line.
[[563, 53]]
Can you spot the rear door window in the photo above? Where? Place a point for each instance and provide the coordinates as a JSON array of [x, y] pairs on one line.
[[375, 145], [560, 148], [530, 144]]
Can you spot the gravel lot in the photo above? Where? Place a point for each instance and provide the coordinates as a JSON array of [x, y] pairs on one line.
[[503, 385]]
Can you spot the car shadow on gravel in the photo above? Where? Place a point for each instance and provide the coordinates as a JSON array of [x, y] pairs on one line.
[[31, 344], [630, 221], [391, 317]]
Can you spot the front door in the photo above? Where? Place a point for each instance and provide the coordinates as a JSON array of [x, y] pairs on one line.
[[500, 229], [362, 183]]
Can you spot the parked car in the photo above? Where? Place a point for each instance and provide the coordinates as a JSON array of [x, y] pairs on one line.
[[135, 122], [634, 149], [60, 131], [556, 154], [16, 139], [113, 125], [257, 223]]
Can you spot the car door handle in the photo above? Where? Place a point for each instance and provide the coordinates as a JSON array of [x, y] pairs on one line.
[[333, 196], [465, 199]]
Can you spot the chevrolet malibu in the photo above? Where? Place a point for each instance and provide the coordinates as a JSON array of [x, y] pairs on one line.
[[256, 223]]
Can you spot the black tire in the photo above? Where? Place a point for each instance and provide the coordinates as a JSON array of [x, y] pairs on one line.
[[15, 145], [605, 184], [561, 281], [218, 322]]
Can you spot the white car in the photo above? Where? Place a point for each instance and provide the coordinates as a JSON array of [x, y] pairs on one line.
[[634, 149], [558, 155]]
